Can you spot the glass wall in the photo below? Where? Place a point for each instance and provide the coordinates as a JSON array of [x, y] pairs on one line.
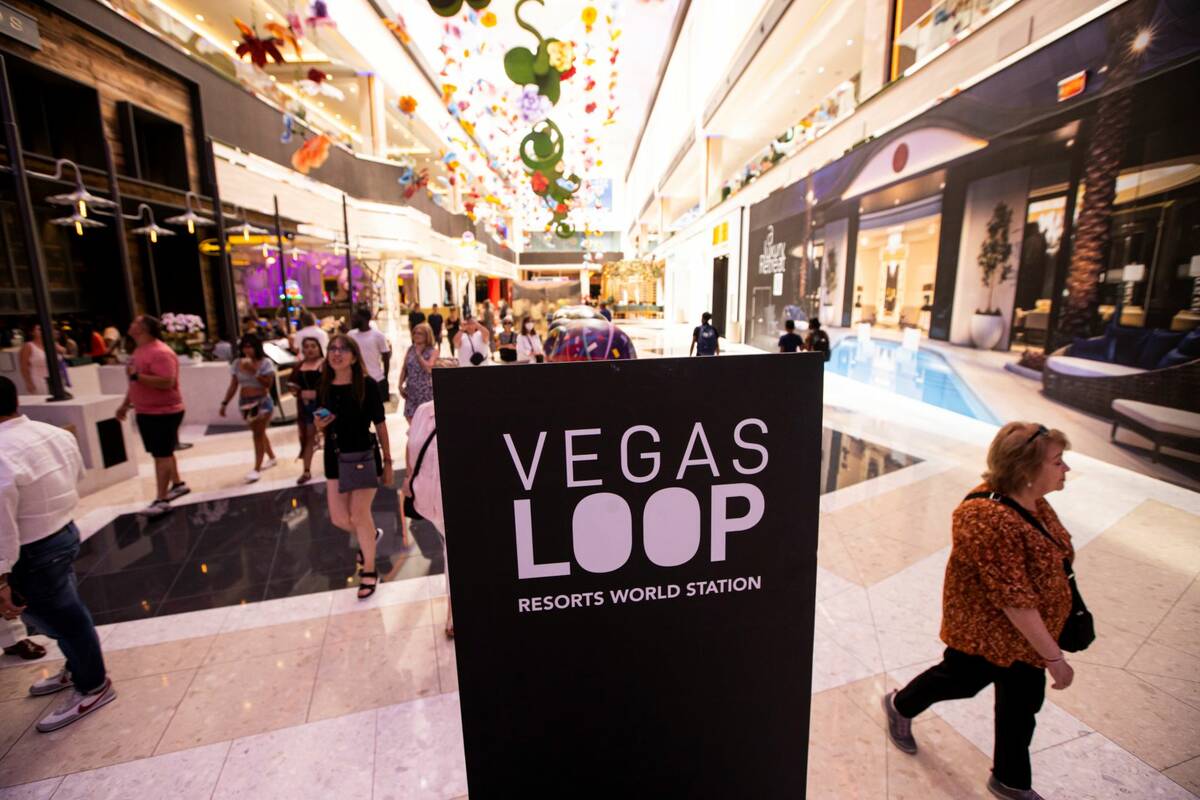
[[925, 28]]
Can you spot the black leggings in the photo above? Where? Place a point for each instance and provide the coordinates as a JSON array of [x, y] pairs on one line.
[[1020, 690]]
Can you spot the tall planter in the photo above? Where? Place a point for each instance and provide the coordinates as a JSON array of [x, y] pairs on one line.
[[995, 268], [986, 330]]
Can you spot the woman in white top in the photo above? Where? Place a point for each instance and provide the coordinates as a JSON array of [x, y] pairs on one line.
[[426, 489], [473, 342], [33, 363], [529, 344]]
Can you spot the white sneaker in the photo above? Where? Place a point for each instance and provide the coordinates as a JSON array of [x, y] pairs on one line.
[[253, 475], [77, 706], [270, 462], [55, 683], [156, 509]]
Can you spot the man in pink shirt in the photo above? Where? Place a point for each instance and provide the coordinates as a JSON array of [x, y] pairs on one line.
[[154, 396]]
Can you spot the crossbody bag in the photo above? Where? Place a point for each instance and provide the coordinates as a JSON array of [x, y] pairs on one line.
[[1079, 631]]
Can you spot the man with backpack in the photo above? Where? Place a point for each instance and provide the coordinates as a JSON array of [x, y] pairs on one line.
[[705, 338]]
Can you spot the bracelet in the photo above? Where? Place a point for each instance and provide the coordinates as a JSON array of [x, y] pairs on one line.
[[387, 461], [1061, 657]]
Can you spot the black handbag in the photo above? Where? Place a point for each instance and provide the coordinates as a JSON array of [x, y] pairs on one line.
[[410, 501], [1079, 631], [476, 357], [359, 469]]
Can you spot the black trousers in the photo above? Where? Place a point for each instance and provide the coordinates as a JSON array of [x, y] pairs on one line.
[[1020, 690]]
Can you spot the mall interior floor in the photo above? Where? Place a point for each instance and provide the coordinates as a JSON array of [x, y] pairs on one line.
[[315, 693]]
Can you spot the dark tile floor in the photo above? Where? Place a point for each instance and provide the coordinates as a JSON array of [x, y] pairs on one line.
[[281, 543], [241, 549]]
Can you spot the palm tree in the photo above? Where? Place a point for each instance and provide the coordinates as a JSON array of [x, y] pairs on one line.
[[1128, 37]]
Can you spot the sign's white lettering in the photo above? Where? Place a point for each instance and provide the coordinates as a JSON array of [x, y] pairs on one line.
[[602, 522], [773, 258]]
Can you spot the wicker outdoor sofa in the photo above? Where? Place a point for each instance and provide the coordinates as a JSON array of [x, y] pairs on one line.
[[1174, 387]]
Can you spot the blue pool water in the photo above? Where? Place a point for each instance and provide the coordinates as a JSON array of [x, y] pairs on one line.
[[920, 374]]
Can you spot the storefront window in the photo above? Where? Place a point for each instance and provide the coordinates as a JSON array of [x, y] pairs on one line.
[[1035, 277], [925, 28], [896, 265]]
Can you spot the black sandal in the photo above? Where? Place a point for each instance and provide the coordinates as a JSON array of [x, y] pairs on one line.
[[358, 557], [369, 588]]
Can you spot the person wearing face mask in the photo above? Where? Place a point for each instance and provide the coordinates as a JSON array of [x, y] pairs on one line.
[[474, 344], [529, 344], [1009, 607]]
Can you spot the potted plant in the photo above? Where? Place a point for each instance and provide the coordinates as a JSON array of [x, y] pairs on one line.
[[995, 268], [184, 333]]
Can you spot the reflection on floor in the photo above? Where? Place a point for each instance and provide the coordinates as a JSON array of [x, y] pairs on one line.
[[238, 550]]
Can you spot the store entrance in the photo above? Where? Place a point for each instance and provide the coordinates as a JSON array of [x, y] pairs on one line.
[[720, 289], [1035, 275], [896, 265]]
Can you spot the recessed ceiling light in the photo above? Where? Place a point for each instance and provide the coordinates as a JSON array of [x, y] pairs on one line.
[[337, 116], [849, 43], [353, 88], [199, 18], [820, 70], [270, 15], [320, 104], [896, 202]]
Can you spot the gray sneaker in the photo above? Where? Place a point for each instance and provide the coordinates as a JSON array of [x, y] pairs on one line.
[[155, 509], [177, 491], [899, 726], [76, 707], [998, 789], [55, 683]]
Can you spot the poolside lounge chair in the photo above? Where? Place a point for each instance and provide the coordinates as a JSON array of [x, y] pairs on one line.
[[1172, 427]]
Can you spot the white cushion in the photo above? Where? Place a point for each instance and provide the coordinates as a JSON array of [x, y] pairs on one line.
[[1087, 368], [1160, 418]]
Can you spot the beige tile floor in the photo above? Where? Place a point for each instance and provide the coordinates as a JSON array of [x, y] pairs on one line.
[[309, 696]]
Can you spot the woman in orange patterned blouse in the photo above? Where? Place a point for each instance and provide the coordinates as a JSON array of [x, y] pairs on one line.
[[1004, 604]]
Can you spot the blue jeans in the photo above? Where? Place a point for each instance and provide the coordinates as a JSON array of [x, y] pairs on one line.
[[45, 576]]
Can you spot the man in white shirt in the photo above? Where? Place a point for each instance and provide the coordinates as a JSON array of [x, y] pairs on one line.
[[374, 348], [309, 329], [40, 466]]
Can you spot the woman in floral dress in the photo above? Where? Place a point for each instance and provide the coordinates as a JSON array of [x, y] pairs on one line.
[[416, 376]]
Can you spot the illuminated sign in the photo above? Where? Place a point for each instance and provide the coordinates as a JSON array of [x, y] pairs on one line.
[[1072, 86]]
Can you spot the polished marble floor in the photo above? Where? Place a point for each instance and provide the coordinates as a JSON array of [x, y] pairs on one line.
[[315, 694]]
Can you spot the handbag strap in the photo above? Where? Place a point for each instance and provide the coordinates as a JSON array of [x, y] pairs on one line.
[[1004, 499], [420, 460]]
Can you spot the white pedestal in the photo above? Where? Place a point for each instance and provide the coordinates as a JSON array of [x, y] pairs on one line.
[[83, 413]]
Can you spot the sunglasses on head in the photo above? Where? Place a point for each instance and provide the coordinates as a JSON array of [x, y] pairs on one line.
[[1041, 429]]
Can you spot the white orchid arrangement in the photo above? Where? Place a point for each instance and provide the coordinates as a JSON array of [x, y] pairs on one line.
[[182, 323]]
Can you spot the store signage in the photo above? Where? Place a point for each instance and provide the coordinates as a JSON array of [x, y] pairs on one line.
[[910, 154], [774, 256], [17, 25], [1072, 86], [633, 571]]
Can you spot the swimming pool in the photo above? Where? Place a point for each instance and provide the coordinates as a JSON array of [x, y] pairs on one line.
[[919, 374]]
